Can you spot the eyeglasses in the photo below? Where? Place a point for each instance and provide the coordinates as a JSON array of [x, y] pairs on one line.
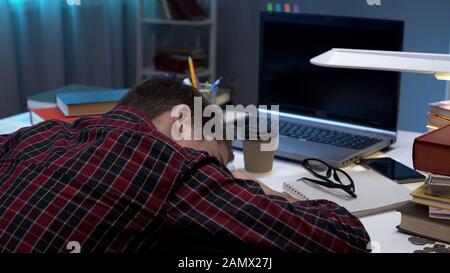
[[329, 176]]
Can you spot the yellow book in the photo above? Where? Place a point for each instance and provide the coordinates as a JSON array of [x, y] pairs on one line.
[[420, 197]]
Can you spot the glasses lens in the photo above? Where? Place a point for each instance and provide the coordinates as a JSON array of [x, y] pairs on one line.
[[319, 167], [341, 178]]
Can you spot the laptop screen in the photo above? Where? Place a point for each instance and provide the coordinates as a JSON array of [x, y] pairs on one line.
[[287, 78]]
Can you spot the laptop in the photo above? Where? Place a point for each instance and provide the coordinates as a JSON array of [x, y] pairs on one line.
[[337, 115]]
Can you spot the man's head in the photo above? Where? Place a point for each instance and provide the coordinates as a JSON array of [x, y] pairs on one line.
[[159, 96]]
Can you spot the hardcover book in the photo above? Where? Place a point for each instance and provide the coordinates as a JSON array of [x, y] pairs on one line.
[[89, 103], [415, 221], [431, 152], [189, 9], [53, 113], [441, 108], [438, 121], [420, 196], [47, 99]]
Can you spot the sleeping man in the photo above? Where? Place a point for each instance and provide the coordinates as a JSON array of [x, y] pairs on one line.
[[121, 183]]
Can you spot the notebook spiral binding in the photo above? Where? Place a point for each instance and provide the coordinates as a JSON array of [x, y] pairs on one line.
[[294, 193]]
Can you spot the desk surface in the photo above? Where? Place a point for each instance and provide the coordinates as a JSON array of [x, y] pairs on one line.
[[381, 227]]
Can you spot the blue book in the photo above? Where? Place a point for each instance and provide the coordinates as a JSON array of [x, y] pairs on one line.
[[47, 99], [88, 103]]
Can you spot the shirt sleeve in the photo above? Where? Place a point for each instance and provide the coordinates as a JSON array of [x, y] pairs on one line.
[[215, 205], [2, 143]]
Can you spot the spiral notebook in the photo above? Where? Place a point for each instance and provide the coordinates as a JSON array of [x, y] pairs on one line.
[[375, 193]]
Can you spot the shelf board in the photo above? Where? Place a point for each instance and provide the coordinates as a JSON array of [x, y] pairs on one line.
[[201, 72], [158, 21]]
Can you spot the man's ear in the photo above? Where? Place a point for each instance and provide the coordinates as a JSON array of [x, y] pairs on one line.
[[164, 123], [181, 126]]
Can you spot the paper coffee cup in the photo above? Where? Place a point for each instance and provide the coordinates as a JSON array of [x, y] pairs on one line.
[[256, 158]]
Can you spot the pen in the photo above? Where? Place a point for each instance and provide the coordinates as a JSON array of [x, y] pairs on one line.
[[216, 83], [187, 82], [193, 76]]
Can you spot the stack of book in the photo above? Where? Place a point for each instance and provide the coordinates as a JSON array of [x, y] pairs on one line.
[[71, 102], [439, 115], [183, 10], [175, 60], [428, 214]]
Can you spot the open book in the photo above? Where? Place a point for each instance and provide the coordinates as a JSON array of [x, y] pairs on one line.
[[375, 193]]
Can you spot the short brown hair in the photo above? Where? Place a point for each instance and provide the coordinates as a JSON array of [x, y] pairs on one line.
[[161, 94]]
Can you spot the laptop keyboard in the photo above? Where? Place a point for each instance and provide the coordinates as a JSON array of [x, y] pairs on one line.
[[326, 136]]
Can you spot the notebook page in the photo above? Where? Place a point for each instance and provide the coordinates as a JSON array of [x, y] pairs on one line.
[[375, 192]]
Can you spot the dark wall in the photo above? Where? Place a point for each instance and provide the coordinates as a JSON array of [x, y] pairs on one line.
[[427, 29]]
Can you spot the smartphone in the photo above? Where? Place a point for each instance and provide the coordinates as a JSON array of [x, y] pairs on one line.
[[393, 170]]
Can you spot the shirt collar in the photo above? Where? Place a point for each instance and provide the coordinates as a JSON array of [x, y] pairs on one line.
[[129, 114]]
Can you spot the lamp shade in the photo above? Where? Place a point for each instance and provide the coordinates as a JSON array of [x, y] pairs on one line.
[[436, 64]]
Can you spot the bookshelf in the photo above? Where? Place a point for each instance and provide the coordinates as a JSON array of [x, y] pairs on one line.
[[158, 21], [155, 32], [201, 72]]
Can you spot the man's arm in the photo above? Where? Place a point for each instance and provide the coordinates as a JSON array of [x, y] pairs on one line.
[[217, 206], [2, 143], [266, 190]]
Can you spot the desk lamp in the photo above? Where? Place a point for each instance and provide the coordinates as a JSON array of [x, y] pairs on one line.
[[436, 64]]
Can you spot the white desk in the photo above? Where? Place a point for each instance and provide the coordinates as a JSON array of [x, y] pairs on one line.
[[381, 227], [14, 123]]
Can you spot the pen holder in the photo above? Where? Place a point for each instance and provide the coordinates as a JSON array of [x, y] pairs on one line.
[[207, 92]]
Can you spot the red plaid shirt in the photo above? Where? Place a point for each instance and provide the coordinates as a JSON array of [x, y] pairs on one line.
[[115, 184]]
